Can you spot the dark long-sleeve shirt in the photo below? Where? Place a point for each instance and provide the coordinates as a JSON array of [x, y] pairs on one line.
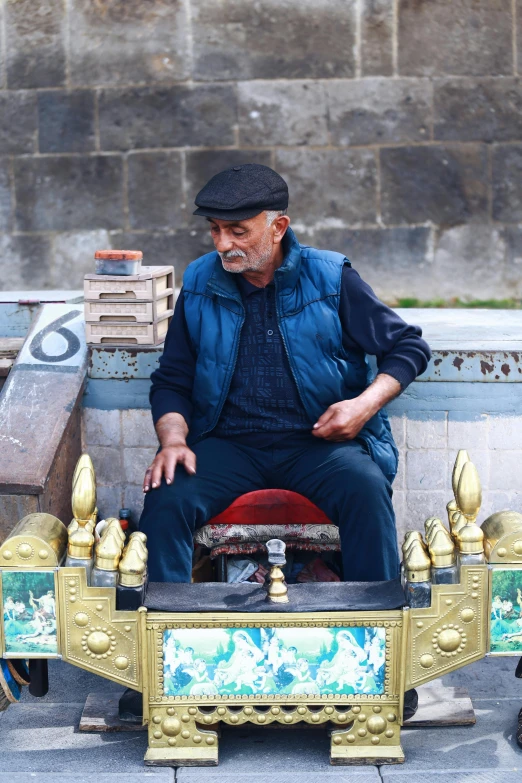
[[368, 327]]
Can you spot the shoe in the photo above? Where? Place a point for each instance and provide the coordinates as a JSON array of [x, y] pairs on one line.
[[519, 730], [411, 703], [518, 670], [130, 707]]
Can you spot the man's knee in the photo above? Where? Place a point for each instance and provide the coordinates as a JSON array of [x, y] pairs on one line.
[[170, 506]]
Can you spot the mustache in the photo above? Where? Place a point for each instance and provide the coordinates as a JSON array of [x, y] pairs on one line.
[[232, 254]]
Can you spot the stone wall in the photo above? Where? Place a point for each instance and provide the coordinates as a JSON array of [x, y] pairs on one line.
[[396, 122]]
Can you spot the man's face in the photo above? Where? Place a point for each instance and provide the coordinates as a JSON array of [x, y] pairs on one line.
[[243, 245]]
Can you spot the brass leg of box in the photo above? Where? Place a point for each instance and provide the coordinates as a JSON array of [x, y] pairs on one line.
[[357, 745], [176, 741]]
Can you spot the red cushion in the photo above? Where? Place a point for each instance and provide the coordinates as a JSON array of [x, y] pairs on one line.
[[271, 507]]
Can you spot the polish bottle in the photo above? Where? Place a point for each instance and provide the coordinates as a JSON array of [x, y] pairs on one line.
[[418, 576], [79, 551], [444, 570], [108, 553]]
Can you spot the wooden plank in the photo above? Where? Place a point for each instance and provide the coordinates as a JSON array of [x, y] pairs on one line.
[[442, 706], [10, 346], [101, 714], [5, 367]]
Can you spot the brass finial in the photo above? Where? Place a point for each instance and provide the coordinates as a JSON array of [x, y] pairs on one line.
[[451, 509], [417, 563], [139, 535], [131, 569], [470, 539], [80, 545], [432, 525], [459, 521], [277, 589], [113, 524], [469, 491], [442, 550], [84, 490], [409, 537], [462, 458], [108, 552]]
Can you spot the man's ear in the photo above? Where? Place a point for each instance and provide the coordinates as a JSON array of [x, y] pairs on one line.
[[280, 225]]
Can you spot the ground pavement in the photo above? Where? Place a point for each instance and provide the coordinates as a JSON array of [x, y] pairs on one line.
[[40, 743]]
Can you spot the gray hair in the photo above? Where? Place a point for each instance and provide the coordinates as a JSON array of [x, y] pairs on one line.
[[272, 214]]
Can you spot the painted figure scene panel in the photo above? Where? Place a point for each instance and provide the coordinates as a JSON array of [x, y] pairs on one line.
[[506, 611], [248, 661], [29, 606]]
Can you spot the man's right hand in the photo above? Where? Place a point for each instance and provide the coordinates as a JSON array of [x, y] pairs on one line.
[[172, 431]]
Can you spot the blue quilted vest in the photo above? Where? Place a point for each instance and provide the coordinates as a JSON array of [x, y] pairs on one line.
[[308, 287]]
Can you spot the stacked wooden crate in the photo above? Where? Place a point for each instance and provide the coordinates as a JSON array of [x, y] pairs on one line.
[[129, 309]]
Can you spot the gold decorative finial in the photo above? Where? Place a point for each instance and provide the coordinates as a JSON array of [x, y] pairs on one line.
[[84, 491], [114, 525], [471, 539], [451, 509], [409, 537], [417, 563], [442, 550], [80, 545], [131, 569], [462, 458], [469, 492], [108, 552]]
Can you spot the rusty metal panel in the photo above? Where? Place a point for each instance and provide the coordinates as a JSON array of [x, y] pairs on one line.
[[123, 363]]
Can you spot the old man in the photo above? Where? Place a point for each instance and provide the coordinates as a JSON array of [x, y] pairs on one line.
[[264, 383]]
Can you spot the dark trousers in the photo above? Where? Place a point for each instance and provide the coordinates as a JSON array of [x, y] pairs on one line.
[[340, 478]]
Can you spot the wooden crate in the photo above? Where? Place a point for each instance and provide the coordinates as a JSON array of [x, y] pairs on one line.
[[106, 310], [114, 333], [153, 282]]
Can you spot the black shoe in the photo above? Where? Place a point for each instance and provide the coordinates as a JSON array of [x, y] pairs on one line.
[[518, 670], [411, 703], [130, 707]]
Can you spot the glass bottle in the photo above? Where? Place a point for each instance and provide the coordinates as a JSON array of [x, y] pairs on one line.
[[471, 545], [79, 551], [418, 576], [131, 579]]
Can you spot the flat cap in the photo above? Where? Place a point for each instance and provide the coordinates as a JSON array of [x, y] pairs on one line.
[[242, 192]]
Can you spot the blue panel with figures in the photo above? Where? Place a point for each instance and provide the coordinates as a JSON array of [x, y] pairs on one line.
[[29, 614], [251, 661]]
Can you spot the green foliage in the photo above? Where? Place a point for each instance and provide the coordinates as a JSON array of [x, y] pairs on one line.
[[485, 304]]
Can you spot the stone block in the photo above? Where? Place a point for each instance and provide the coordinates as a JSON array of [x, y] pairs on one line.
[[467, 431], [18, 123], [427, 431], [66, 121], [505, 470], [135, 463], [30, 261], [484, 110], [421, 504], [176, 248], [399, 506], [512, 238], [446, 185], [64, 193], [426, 469], [507, 183], [74, 256], [505, 432], [352, 183], [458, 38], [100, 428], [379, 111], [155, 190], [134, 498], [109, 501], [480, 271], [5, 195], [107, 461], [138, 429], [377, 38], [493, 501], [150, 45], [35, 43], [391, 260], [179, 116], [282, 113], [201, 165], [295, 39], [398, 426]]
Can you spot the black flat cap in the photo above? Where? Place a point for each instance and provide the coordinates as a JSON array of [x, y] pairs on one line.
[[242, 192]]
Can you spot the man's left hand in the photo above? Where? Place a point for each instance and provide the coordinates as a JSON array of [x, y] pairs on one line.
[[342, 421]]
